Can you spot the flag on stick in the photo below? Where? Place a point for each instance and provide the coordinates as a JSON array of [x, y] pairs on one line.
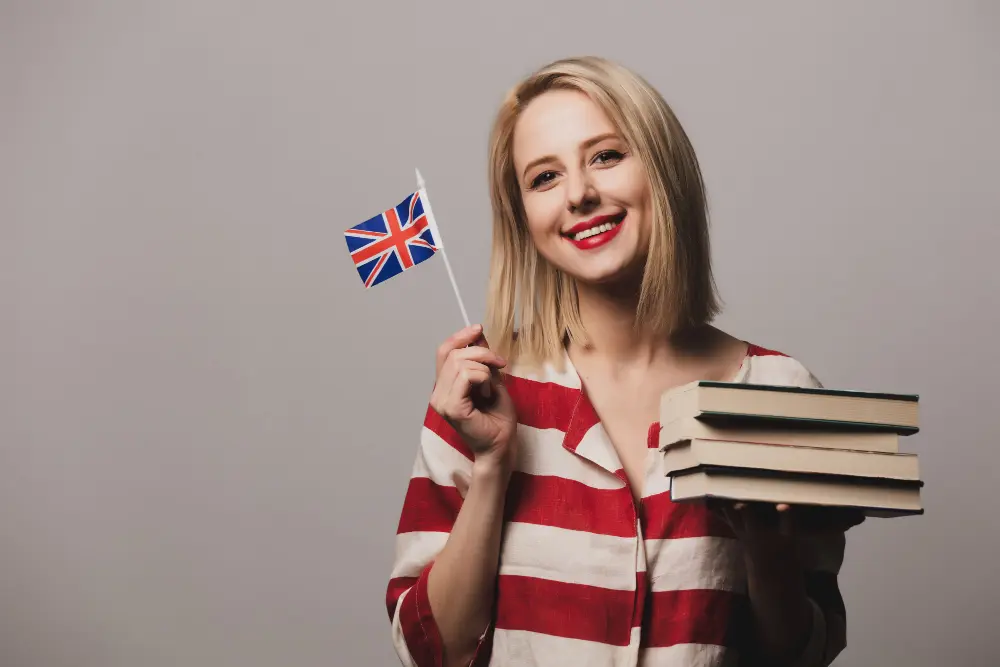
[[398, 239]]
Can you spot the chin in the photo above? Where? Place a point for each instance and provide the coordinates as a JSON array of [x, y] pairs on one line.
[[620, 274], [610, 266]]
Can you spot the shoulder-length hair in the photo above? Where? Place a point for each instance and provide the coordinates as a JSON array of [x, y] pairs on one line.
[[532, 307]]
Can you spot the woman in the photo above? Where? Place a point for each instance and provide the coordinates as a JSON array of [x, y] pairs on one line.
[[537, 528]]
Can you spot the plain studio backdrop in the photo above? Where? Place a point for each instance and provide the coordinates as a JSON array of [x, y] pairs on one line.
[[207, 424]]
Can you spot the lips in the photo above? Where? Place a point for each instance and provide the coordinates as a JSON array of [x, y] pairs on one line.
[[595, 232]]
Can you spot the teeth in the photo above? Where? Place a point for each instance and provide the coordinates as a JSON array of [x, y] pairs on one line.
[[593, 231]]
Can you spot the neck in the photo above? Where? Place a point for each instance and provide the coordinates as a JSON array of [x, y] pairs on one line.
[[609, 316]]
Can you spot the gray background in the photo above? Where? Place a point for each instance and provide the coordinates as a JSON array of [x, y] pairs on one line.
[[207, 424]]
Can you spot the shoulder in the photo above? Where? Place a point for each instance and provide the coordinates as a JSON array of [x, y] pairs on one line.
[[768, 366]]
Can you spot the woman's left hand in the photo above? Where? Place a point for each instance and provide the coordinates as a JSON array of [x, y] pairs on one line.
[[766, 524]]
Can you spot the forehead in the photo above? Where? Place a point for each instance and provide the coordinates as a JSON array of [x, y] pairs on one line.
[[556, 122]]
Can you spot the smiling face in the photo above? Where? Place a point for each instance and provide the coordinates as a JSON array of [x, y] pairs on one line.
[[586, 196]]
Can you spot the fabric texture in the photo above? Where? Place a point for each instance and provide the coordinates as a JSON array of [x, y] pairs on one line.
[[588, 577]]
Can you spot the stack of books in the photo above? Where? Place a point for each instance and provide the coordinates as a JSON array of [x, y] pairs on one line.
[[759, 443]]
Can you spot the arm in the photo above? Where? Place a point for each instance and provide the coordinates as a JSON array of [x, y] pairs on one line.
[[798, 611], [462, 582], [440, 597], [441, 594], [792, 564]]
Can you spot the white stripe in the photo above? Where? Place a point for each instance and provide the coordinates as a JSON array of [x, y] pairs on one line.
[[569, 556], [414, 551], [688, 655], [541, 452], [596, 446], [655, 481], [520, 648], [548, 374], [703, 563], [398, 641], [785, 371], [441, 463]]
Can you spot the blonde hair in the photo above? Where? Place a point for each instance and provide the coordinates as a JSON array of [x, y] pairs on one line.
[[532, 307]]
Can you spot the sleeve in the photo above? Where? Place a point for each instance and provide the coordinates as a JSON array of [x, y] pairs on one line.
[[434, 495], [821, 559]]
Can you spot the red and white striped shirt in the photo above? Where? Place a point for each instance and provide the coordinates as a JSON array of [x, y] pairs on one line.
[[586, 575]]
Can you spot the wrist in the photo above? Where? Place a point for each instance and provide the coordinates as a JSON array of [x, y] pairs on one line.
[[777, 555], [492, 468]]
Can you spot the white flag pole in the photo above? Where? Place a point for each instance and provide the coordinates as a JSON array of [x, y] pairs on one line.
[[437, 237]]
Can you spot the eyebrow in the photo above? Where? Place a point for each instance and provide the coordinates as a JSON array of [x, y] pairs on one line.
[[585, 145]]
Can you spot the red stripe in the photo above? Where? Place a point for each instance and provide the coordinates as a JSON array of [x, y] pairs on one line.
[[395, 590], [566, 503], [397, 238], [445, 431], [662, 518], [419, 628], [584, 418], [641, 584], [413, 204], [547, 405], [363, 254], [694, 617], [599, 614], [429, 507], [653, 435], [758, 351], [542, 404], [564, 610], [374, 273], [396, 233]]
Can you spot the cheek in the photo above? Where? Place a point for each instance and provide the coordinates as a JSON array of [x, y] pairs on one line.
[[542, 214], [629, 184], [631, 187]]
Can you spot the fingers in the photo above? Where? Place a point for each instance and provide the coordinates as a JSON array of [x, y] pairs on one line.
[[788, 520], [756, 519], [471, 388], [469, 375], [460, 361], [467, 344], [458, 340], [482, 355]]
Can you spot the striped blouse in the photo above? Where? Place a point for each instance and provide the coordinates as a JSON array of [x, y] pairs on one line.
[[587, 576]]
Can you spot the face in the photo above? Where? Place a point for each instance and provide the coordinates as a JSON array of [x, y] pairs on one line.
[[586, 196]]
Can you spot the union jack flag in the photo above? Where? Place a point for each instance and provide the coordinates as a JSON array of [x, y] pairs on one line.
[[393, 241]]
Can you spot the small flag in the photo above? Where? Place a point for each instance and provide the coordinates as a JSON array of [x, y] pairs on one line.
[[393, 241]]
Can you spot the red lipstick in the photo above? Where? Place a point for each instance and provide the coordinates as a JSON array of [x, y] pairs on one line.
[[599, 239]]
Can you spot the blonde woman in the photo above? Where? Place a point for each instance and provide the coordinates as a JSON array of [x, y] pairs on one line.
[[536, 528]]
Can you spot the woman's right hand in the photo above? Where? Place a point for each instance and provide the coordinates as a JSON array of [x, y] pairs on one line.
[[469, 395]]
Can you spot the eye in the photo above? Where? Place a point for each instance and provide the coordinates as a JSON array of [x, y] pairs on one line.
[[542, 178], [609, 156]]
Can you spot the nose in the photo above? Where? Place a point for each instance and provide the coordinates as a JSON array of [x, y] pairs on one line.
[[581, 195]]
